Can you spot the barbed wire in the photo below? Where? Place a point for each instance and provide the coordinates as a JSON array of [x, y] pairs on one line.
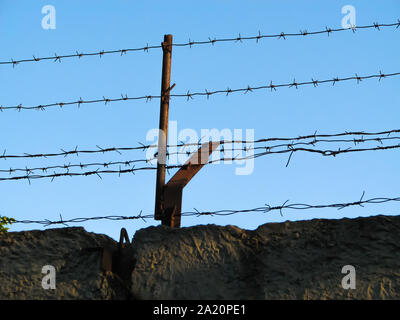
[[247, 148], [98, 172], [58, 58], [283, 35], [190, 43], [73, 152], [315, 136], [327, 153], [293, 84], [127, 163], [225, 212], [143, 147], [223, 150], [79, 103], [207, 93]]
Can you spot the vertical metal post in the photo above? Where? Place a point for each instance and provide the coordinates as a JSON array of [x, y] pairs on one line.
[[163, 133]]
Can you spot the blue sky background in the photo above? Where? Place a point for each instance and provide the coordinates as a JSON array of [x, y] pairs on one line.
[[89, 26]]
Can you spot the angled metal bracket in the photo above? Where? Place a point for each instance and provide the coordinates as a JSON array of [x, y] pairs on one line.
[[123, 236], [171, 196]]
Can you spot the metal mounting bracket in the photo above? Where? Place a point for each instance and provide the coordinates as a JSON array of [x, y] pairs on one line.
[[171, 197]]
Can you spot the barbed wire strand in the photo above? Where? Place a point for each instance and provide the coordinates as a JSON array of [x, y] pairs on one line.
[[143, 147], [126, 163], [190, 96], [212, 41], [293, 84], [223, 150], [226, 212], [98, 172], [315, 136]]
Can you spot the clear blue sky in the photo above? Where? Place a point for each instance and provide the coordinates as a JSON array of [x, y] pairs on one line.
[[89, 26]]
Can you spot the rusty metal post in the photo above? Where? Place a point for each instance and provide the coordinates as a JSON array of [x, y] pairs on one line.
[[163, 132]]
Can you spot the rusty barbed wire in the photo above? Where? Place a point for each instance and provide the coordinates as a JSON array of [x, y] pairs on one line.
[[328, 153], [271, 86], [246, 148], [223, 150], [47, 222], [143, 147], [190, 96], [190, 43], [225, 212], [126, 163], [79, 103], [290, 150], [315, 136], [58, 58], [75, 152], [97, 172], [283, 35]]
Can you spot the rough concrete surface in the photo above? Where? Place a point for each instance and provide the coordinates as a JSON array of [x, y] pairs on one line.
[[73, 252], [292, 260]]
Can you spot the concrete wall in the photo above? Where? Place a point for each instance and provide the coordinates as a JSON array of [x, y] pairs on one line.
[[292, 260]]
